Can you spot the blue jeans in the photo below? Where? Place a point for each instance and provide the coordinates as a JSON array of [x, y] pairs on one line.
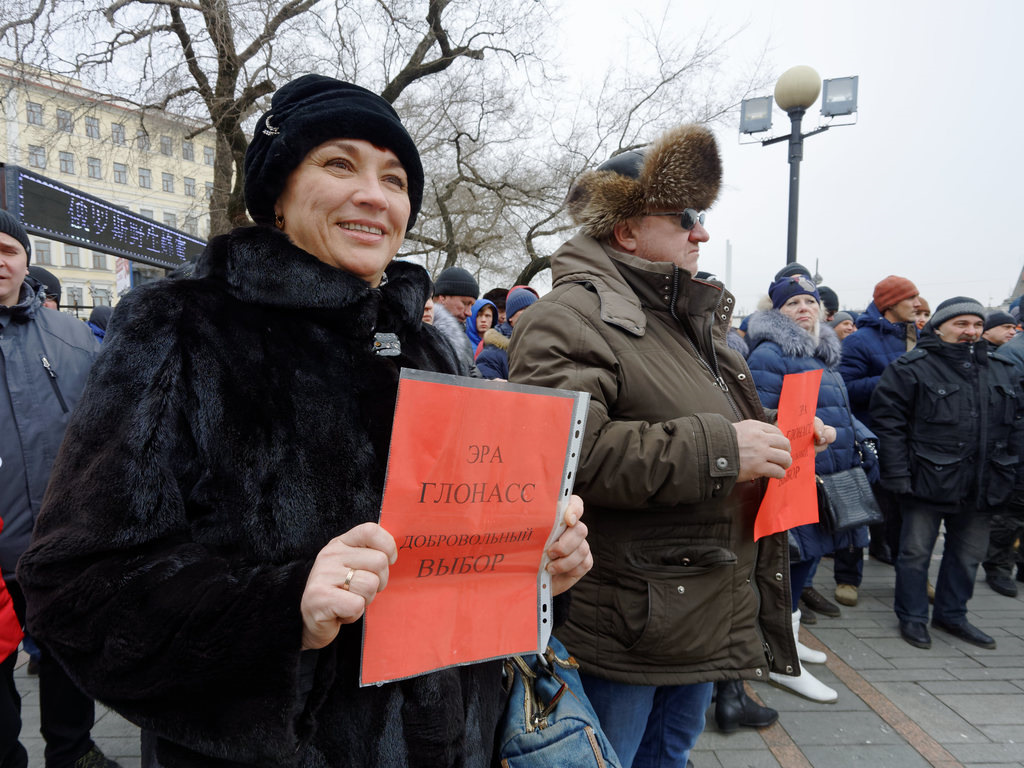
[[650, 726], [966, 544]]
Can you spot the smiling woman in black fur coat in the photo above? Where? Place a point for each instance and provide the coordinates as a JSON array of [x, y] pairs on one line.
[[207, 546]]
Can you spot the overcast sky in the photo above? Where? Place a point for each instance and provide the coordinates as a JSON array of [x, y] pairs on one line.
[[925, 185]]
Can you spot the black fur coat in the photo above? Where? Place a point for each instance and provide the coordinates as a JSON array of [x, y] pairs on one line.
[[236, 421]]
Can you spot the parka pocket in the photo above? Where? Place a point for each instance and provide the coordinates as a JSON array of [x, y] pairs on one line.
[[1004, 404], [687, 587], [941, 404], [1001, 476], [939, 477]]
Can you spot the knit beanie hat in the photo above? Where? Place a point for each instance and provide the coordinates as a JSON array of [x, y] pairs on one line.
[[786, 288], [829, 298], [11, 226], [893, 290], [681, 169], [793, 268], [518, 299], [48, 280], [999, 318], [958, 305], [840, 317], [456, 281], [304, 114]]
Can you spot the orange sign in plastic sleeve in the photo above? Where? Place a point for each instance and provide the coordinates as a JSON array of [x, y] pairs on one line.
[[476, 482], [793, 500]]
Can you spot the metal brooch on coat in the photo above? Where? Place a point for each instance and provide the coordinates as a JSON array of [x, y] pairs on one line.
[[268, 129], [387, 344]]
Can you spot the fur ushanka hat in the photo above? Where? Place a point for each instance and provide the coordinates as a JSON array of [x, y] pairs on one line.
[[681, 169]]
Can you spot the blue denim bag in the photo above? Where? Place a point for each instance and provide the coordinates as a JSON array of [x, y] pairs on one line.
[[549, 720]]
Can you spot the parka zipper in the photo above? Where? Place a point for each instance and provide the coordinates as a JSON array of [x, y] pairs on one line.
[[712, 367], [53, 383]]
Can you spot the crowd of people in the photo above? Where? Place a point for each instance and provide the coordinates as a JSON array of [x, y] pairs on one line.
[[192, 538]]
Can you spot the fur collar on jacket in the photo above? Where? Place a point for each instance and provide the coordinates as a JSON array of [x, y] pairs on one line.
[[260, 265], [771, 325]]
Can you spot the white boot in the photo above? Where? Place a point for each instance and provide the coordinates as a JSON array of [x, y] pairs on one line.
[[806, 655], [803, 683]]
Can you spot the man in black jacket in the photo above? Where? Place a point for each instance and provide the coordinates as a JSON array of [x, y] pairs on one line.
[[950, 425]]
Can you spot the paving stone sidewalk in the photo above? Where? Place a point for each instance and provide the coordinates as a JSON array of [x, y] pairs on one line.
[[899, 707]]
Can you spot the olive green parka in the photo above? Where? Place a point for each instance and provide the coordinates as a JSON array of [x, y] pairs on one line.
[[680, 593]]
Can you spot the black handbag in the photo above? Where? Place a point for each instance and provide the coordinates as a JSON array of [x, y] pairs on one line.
[[845, 501], [549, 720]]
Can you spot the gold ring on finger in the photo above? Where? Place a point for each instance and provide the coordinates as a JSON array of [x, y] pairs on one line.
[[348, 579]]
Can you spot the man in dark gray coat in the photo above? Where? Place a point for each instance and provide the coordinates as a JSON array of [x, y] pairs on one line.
[[45, 358]]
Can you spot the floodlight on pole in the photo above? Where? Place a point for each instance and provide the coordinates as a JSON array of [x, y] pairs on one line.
[[795, 92]]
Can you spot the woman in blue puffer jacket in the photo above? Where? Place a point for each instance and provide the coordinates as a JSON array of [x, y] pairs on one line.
[[790, 338]]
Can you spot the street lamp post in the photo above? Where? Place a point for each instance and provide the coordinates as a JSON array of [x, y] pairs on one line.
[[795, 92]]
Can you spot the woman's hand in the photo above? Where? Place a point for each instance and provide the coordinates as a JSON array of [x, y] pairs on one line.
[[570, 554], [824, 435], [347, 574]]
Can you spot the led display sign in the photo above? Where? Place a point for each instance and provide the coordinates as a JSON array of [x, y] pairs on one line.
[[59, 212]]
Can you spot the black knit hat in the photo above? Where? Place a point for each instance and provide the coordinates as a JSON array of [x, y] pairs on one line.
[[958, 305], [793, 268], [11, 226], [48, 280], [456, 281], [999, 318], [303, 115], [829, 298]]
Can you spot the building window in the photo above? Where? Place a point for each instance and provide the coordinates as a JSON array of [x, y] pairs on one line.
[[35, 113], [208, 155], [145, 178], [72, 258], [67, 162], [36, 157], [142, 139], [92, 127], [99, 260], [171, 219], [41, 253], [120, 173], [166, 147], [117, 133], [190, 187], [191, 225], [188, 151], [209, 190], [100, 297], [73, 297], [65, 122], [167, 182], [95, 169], [146, 213]]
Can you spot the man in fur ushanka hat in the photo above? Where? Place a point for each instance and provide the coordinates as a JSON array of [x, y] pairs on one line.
[[675, 447]]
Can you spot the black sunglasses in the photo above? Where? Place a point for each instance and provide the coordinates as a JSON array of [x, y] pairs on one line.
[[688, 218]]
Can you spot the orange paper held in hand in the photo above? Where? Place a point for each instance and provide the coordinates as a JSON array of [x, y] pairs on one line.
[[479, 474], [793, 499]]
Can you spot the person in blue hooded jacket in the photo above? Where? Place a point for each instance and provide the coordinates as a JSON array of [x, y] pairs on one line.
[[786, 339], [482, 317]]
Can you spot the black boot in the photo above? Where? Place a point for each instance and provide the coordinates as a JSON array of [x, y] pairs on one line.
[[734, 708]]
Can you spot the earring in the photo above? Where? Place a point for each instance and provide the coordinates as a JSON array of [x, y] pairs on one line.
[[279, 221]]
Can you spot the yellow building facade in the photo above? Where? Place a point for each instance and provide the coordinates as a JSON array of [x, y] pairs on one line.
[[152, 164]]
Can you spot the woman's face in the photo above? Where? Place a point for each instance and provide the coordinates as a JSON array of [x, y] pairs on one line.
[[802, 310], [484, 319], [347, 203]]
